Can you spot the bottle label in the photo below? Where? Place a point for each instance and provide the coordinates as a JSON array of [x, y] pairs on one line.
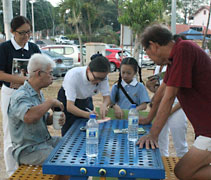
[[132, 120], [91, 134]]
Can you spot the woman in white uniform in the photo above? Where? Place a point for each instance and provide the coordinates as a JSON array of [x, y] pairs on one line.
[[79, 85], [14, 54]]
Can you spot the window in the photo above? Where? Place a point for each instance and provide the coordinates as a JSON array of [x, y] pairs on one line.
[[108, 53], [205, 12], [69, 50], [57, 50]]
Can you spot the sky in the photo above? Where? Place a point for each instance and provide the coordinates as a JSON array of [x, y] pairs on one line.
[[54, 2]]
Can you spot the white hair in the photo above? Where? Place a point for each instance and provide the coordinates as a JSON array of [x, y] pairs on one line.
[[39, 62]]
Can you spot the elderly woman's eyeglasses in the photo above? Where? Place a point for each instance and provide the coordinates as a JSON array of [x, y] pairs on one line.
[[23, 33], [50, 73]]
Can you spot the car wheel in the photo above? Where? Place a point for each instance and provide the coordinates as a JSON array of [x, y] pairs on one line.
[[112, 67]]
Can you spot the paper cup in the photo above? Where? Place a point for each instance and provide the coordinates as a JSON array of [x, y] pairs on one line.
[[56, 117]]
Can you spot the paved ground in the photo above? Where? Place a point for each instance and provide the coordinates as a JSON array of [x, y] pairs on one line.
[[51, 92]]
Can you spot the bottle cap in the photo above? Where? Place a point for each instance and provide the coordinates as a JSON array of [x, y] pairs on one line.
[[92, 116], [57, 109], [133, 106]]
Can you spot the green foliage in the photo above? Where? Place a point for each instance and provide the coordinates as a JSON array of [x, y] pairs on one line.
[[140, 13], [110, 38]]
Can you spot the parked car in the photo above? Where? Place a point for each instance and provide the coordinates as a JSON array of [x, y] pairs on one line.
[[108, 46], [71, 51], [62, 40], [40, 43], [63, 64], [115, 56], [144, 60]]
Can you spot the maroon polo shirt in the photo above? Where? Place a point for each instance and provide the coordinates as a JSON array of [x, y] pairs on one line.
[[191, 72]]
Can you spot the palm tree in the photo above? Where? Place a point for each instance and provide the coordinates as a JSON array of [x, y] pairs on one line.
[[72, 8]]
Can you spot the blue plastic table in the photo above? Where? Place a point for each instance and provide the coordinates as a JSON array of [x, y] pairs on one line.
[[117, 157]]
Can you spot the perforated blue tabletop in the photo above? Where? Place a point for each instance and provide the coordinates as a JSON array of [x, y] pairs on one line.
[[117, 157]]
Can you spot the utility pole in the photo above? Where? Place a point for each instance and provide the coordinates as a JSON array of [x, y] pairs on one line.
[[23, 8], [173, 16], [8, 15]]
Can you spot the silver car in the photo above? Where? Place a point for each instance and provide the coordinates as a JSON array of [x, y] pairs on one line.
[[63, 64], [70, 51]]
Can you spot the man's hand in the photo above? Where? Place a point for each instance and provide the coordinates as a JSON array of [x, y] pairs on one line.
[[144, 120], [152, 84], [57, 103], [103, 110], [149, 141]]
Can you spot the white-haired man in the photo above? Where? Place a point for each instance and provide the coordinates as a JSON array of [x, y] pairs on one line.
[[29, 117]]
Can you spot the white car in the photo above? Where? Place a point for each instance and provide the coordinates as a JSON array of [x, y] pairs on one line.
[[62, 40], [72, 51], [144, 60]]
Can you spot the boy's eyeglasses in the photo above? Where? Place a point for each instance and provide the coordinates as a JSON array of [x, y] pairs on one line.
[[98, 78], [23, 33]]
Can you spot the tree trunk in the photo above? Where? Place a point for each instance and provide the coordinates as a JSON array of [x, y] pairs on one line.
[[137, 47], [79, 38], [89, 24], [205, 34]]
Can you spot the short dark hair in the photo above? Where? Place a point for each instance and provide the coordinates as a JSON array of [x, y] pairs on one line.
[[156, 33], [18, 21], [99, 64]]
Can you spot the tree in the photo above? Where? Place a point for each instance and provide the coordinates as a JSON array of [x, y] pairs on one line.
[[72, 8], [138, 14]]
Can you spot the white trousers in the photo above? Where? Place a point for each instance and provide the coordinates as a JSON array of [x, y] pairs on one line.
[[10, 162], [177, 125]]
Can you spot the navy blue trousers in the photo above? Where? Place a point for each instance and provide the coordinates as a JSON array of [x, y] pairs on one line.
[[80, 103]]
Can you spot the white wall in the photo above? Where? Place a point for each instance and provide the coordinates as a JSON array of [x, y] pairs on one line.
[[201, 18]]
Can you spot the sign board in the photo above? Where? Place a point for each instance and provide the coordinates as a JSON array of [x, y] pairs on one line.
[[126, 36]]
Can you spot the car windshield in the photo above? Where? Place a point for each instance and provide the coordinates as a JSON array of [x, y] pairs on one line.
[[51, 53], [125, 53], [65, 38]]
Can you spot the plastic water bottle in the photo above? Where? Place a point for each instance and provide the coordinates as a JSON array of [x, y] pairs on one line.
[[133, 117], [92, 136]]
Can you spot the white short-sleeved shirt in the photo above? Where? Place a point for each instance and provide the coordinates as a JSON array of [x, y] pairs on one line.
[[77, 86]]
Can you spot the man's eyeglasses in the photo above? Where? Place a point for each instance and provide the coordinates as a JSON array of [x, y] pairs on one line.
[[98, 78], [23, 33], [49, 73], [145, 48]]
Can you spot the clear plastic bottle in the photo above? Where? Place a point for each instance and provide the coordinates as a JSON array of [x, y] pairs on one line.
[[133, 117], [92, 136]]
